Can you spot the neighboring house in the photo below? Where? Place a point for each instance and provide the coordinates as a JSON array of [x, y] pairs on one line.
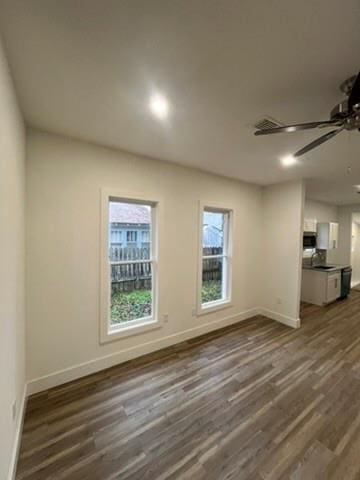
[[129, 225]]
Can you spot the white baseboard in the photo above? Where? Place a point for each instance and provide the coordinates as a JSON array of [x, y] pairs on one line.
[[77, 371], [289, 321], [18, 432], [95, 365], [92, 366]]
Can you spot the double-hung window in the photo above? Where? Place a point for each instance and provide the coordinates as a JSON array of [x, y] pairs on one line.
[[129, 278], [145, 236], [215, 258], [131, 236]]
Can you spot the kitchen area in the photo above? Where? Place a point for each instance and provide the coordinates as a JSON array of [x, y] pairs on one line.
[[323, 280]]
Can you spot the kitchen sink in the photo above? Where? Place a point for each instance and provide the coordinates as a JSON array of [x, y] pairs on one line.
[[323, 267]]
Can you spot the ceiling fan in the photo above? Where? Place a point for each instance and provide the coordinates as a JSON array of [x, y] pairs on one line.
[[345, 115]]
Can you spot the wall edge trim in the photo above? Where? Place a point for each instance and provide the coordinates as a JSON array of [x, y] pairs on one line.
[[74, 372], [18, 434], [279, 317], [101, 363]]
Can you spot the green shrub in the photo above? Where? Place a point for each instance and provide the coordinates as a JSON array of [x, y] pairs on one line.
[[211, 291], [127, 306]]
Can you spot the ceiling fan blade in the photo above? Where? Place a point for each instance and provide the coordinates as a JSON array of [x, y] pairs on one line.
[[354, 97], [317, 142], [297, 127]]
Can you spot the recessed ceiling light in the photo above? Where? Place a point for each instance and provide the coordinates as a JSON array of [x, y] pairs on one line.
[[288, 161], [159, 106]]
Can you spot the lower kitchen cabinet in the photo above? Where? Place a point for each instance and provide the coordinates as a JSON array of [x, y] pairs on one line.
[[333, 286], [319, 287]]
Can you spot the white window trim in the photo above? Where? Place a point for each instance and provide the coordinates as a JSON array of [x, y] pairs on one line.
[[203, 309], [109, 333]]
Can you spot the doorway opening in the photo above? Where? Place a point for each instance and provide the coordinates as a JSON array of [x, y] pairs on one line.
[[355, 250]]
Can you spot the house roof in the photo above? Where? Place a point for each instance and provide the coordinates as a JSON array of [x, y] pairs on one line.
[[129, 213]]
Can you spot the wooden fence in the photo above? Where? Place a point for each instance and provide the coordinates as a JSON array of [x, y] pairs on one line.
[[133, 275], [212, 267], [136, 273]]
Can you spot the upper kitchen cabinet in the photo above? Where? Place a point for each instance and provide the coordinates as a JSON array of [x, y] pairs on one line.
[[309, 225], [327, 235]]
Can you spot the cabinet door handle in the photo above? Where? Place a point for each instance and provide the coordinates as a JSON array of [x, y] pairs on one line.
[[336, 282], [334, 243]]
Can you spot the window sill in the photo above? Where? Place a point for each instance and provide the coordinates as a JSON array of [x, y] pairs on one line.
[[214, 307], [136, 328]]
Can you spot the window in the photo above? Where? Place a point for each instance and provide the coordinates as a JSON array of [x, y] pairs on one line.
[[115, 235], [128, 275], [215, 259], [145, 236], [131, 236], [145, 239]]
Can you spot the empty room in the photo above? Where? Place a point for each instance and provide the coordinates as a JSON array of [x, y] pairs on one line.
[[179, 232]]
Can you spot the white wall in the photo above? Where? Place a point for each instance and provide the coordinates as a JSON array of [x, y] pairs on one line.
[[12, 249], [322, 212], [282, 255], [63, 205], [63, 208], [355, 253], [345, 226]]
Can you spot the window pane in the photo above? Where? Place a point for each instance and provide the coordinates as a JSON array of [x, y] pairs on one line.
[[131, 236], [145, 236], [213, 232], [212, 280], [131, 282], [126, 221], [131, 292]]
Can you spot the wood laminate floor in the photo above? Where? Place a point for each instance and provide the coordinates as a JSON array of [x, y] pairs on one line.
[[256, 401]]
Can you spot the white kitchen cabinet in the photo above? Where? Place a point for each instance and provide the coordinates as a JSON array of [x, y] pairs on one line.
[[309, 225], [327, 235], [334, 235], [320, 287], [333, 286]]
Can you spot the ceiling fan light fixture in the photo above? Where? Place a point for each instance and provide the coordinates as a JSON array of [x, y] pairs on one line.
[[288, 161], [346, 115], [159, 106]]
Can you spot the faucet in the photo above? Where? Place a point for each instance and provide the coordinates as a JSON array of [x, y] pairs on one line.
[[313, 256]]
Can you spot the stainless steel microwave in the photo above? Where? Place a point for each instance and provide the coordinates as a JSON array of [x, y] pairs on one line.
[[309, 240]]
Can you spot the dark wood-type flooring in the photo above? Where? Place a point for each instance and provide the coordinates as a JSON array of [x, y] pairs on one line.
[[254, 401]]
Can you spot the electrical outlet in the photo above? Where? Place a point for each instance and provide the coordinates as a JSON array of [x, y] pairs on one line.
[[165, 317], [13, 410]]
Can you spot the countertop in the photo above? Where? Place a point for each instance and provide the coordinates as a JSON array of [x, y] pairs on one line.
[[334, 268]]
